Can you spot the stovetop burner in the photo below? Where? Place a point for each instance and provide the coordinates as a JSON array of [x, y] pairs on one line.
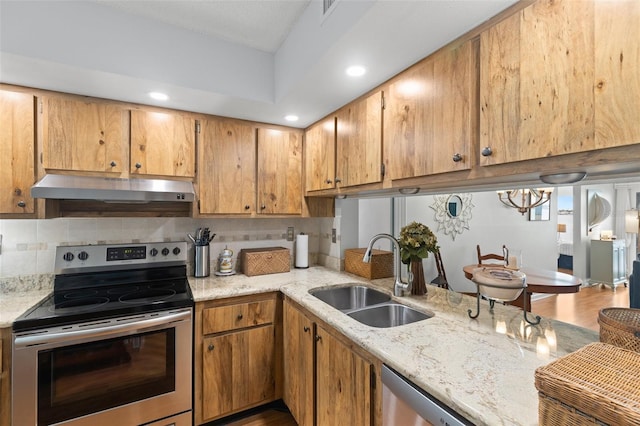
[[110, 281]]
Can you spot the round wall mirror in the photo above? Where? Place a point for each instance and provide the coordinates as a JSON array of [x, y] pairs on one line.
[[454, 206]]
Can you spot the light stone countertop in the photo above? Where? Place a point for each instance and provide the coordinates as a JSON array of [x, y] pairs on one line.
[[485, 375]]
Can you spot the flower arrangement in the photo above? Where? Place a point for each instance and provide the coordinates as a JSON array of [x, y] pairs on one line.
[[416, 242]]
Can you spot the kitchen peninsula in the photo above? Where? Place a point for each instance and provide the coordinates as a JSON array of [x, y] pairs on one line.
[[483, 369]]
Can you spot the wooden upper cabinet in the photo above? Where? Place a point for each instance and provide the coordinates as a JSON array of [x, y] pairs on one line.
[[162, 144], [227, 167], [560, 77], [17, 155], [359, 142], [617, 73], [429, 115], [279, 171], [320, 155], [84, 136]]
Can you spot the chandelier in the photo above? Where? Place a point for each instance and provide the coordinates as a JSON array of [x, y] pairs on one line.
[[524, 199]]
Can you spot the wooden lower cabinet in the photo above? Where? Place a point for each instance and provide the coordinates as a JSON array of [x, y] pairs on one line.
[[237, 371], [5, 376], [327, 380], [238, 354]]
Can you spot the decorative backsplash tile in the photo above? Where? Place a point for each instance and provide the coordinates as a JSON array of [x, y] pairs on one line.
[[28, 246]]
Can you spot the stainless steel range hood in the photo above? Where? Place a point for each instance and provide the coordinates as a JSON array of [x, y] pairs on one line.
[[112, 189]]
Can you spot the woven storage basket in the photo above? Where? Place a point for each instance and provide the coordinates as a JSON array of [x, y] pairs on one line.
[[381, 265], [620, 327], [266, 260], [593, 385]]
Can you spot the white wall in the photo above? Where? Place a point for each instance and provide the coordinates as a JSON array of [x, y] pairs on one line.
[[492, 224], [374, 217]]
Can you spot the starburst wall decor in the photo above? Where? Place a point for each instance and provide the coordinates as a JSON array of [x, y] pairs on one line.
[[452, 212]]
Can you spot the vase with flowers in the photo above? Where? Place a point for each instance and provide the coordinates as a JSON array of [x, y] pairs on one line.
[[416, 242]]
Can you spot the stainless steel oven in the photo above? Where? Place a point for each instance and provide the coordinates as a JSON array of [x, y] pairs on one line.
[[110, 346]]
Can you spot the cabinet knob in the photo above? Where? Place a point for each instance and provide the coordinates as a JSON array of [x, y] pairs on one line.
[[318, 338], [22, 204], [338, 180], [329, 181], [18, 192], [306, 329], [486, 151], [262, 207], [457, 158], [138, 165], [211, 346], [240, 316], [113, 164], [247, 207]]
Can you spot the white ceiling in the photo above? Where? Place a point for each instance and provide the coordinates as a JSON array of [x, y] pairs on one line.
[[253, 59]]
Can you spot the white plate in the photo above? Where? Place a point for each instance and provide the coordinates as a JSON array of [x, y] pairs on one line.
[[224, 274]]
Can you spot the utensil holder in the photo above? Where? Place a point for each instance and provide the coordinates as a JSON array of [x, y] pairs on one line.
[[201, 261]]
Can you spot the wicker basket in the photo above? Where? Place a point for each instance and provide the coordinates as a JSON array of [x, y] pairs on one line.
[[381, 265], [620, 327], [593, 385], [267, 260]]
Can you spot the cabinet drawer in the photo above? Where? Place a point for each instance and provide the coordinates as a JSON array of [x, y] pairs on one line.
[[242, 315]]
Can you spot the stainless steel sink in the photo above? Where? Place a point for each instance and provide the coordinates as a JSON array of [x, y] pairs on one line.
[[351, 297], [388, 315], [369, 306]]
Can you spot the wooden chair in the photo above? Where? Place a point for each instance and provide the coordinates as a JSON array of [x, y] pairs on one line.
[[491, 256], [441, 279]]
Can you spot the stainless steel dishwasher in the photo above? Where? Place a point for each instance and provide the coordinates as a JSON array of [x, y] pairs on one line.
[[403, 403]]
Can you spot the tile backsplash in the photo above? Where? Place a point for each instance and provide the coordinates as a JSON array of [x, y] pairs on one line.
[[29, 245]]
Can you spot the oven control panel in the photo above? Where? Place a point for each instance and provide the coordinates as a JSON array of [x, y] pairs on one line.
[[70, 259]]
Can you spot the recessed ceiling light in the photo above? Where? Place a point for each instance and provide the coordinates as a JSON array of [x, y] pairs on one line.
[[291, 117], [158, 96], [356, 71]]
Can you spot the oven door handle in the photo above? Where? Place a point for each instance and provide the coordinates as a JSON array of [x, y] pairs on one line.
[[120, 329]]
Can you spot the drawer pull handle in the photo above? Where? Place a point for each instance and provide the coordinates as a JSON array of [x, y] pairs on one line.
[[211, 346]]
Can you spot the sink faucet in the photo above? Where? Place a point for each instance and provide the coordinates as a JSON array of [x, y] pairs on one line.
[[398, 286]]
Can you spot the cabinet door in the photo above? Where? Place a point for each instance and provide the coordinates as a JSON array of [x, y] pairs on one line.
[[17, 157], [227, 167], [343, 383], [359, 142], [536, 83], [617, 81], [238, 371], [279, 171], [162, 144], [320, 155], [429, 115], [84, 136], [298, 365]]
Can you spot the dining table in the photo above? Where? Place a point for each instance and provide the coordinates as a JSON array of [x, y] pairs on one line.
[[538, 280]]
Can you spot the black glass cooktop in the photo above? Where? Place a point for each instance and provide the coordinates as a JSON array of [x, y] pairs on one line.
[[92, 296]]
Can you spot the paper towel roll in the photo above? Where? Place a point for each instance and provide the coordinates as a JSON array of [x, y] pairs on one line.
[[302, 251]]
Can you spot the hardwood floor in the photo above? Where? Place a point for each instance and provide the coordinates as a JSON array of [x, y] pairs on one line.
[[274, 414], [582, 308]]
